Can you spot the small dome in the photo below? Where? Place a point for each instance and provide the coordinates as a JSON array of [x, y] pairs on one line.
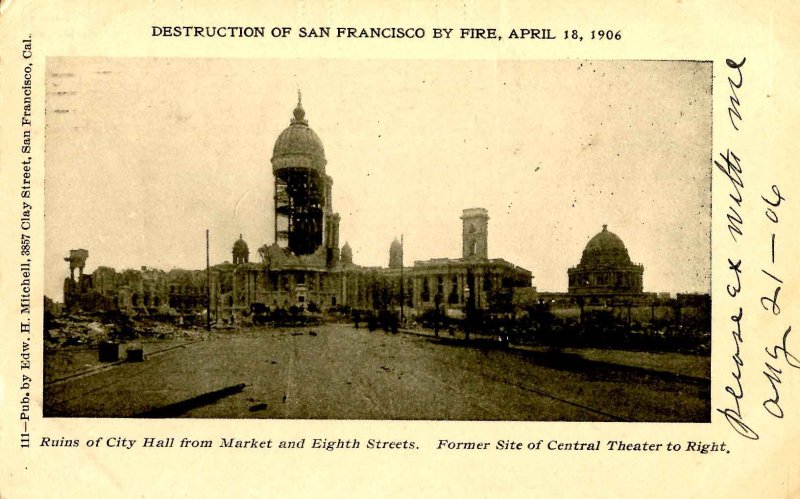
[[347, 254], [241, 252], [298, 146], [240, 244], [395, 254], [605, 249]]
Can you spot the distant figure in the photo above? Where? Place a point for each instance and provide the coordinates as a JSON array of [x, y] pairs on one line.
[[356, 317], [437, 301]]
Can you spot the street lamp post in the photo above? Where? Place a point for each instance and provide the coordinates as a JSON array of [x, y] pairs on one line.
[[208, 287]]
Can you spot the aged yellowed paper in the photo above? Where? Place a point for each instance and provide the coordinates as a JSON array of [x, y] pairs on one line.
[[314, 249]]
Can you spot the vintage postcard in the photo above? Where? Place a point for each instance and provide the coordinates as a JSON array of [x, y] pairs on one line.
[[592, 337], [298, 245]]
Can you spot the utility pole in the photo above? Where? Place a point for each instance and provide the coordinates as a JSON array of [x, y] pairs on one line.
[[402, 282], [208, 287]]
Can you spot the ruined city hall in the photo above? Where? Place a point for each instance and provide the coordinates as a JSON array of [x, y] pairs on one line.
[[304, 266]]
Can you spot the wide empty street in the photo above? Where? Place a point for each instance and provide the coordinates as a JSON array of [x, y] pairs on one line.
[[340, 372]]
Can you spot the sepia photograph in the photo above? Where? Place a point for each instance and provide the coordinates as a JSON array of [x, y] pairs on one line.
[[466, 240]]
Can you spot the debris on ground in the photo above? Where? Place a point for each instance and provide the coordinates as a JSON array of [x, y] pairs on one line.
[[91, 330]]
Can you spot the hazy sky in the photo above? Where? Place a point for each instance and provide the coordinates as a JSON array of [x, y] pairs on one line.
[[142, 155]]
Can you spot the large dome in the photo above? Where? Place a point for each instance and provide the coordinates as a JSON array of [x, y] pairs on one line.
[[298, 146], [605, 249]]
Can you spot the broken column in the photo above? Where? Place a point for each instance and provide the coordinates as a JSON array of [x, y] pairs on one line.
[[77, 260]]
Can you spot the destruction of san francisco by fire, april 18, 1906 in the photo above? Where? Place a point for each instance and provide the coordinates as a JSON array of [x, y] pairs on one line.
[[301, 318]]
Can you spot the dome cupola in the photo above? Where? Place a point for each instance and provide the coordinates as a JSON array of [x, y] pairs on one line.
[[298, 146]]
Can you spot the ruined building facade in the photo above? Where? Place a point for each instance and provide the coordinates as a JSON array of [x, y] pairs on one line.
[[304, 266]]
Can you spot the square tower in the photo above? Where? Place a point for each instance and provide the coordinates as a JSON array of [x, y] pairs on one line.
[[475, 233]]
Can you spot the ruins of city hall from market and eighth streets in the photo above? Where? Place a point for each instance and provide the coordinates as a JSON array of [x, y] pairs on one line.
[[304, 267]]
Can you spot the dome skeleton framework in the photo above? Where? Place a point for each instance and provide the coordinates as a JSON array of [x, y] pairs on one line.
[[304, 217]]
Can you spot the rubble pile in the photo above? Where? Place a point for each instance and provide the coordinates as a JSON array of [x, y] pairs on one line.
[[90, 330]]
